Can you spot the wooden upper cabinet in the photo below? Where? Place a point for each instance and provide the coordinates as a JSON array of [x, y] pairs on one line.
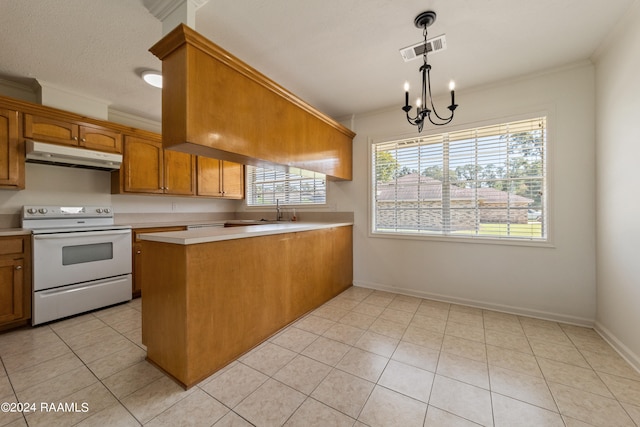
[[220, 178], [147, 168], [11, 151], [47, 129], [99, 138], [179, 173], [209, 94], [143, 166]]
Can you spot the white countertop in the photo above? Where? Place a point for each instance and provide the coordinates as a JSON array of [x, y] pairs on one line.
[[206, 235], [14, 232]]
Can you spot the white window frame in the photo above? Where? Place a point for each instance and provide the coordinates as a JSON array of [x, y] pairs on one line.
[[288, 196], [547, 233]]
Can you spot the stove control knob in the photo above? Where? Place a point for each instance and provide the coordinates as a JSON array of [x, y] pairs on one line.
[[107, 210], [99, 210], [32, 211], [42, 210]]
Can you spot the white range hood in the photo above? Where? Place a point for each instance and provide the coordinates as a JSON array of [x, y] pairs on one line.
[[40, 152]]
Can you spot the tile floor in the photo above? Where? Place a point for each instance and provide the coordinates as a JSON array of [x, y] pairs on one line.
[[366, 358]]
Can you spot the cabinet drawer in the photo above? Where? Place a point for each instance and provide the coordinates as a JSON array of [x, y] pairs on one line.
[[12, 246]]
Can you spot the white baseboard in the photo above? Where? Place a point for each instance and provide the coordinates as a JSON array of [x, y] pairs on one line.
[[520, 311], [624, 351]]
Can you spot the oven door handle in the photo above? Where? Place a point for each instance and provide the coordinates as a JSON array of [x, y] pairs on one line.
[[80, 233]]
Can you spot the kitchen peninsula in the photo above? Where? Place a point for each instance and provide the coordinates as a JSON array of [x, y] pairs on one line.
[[212, 294]]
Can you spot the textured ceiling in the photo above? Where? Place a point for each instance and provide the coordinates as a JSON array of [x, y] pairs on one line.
[[341, 56]]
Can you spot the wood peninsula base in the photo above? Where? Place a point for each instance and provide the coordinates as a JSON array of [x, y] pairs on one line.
[[206, 304]]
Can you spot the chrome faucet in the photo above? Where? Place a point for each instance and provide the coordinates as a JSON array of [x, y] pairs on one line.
[[278, 213]]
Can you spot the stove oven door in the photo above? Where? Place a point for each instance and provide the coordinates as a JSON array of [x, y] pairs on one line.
[[67, 258]]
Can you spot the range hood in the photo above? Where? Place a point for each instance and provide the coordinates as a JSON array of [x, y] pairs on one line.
[[41, 152]]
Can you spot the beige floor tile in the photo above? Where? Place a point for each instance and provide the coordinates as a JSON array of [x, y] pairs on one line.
[[429, 323], [368, 309], [268, 358], [233, 420], [527, 388], [546, 333], [573, 376], [514, 360], [326, 351], [197, 409], [358, 320], [155, 398], [398, 316], [434, 309], [591, 343], [128, 324], [114, 415], [118, 361], [356, 293], [315, 414], [18, 361], [462, 369], [363, 364], [343, 303], [625, 390], [466, 348], [439, 418], [235, 384], [388, 328], [466, 309], [5, 386], [294, 339], [303, 374], [44, 371], [464, 330], [464, 400], [96, 397], [408, 380], [415, 355], [329, 312], [588, 407], [388, 408], [9, 417], [509, 412], [343, 333], [68, 328], [517, 342], [633, 411], [503, 325], [133, 378], [20, 422], [27, 340], [378, 344], [103, 348], [423, 337], [92, 337], [343, 392], [54, 389], [270, 405], [610, 363], [558, 352], [474, 319], [408, 304], [314, 324], [380, 300], [135, 336]]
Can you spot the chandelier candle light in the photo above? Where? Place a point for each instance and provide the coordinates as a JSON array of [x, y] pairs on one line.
[[424, 20]]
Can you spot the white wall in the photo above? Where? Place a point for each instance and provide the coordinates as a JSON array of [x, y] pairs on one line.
[[55, 185], [552, 282], [618, 204]]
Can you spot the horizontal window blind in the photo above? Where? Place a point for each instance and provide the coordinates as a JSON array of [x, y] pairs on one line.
[[487, 182], [265, 186]]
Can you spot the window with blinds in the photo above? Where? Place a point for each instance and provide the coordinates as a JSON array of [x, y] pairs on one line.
[[487, 182], [265, 186]]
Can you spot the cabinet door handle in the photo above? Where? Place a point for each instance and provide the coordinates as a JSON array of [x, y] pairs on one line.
[[75, 138], [138, 252], [18, 267], [84, 139]]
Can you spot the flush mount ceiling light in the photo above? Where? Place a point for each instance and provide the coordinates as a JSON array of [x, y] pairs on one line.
[[423, 112], [153, 78]]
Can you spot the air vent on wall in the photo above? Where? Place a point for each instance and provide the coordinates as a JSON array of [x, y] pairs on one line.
[[434, 45]]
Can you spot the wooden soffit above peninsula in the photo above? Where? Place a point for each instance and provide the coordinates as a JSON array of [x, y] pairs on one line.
[[215, 105]]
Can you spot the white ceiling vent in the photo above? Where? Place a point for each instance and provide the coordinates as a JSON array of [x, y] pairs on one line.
[[434, 45]]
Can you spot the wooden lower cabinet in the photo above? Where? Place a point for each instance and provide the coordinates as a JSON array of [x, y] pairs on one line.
[[136, 246], [15, 281], [206, 304]]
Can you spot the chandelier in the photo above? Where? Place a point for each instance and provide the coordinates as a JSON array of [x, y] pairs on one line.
[[423, 112]]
